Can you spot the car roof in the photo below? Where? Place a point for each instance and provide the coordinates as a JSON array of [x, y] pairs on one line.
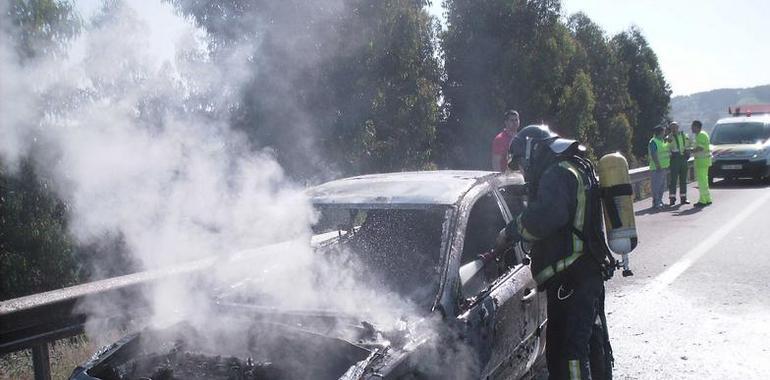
[[438, 187], [760, 118]]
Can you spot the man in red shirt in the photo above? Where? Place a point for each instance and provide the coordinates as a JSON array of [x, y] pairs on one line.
[[503, 140]]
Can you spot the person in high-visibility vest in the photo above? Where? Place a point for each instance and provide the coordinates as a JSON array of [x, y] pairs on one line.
[[678, 144], [702, 154], [660, 160]]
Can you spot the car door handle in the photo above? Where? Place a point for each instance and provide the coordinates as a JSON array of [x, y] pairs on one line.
[[529, 296]]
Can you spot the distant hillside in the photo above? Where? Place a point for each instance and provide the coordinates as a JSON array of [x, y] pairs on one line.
[[709, 106]]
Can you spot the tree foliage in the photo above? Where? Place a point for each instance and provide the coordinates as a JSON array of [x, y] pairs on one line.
[[44, 26], [609, 82], [649, 92], [349, 84], [522, 54], [499, 55], [343, 87], [36, 251], [576, 110]]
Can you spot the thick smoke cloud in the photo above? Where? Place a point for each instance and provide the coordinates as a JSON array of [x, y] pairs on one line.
[[141, 127], [139, 143], [17, 101], [143, 148]]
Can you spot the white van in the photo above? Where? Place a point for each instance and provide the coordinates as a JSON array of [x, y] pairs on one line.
[[740, 144]]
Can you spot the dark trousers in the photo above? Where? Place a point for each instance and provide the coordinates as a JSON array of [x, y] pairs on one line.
[[577, 344], [677, 175]]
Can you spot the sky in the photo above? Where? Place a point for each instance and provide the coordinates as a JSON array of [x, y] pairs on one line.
[[701, 44]]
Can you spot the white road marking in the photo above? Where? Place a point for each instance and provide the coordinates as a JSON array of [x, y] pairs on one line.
[[670, 275]]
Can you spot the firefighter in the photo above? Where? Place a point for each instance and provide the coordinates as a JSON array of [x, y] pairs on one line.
[[702, 153], [558, 221]]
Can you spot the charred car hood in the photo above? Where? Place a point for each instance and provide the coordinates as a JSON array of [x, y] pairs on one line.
[[284, 345]]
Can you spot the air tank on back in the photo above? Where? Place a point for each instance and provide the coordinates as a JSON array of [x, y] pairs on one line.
[[618, 205]]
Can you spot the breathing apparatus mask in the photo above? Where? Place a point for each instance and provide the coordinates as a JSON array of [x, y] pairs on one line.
[[536, 147]]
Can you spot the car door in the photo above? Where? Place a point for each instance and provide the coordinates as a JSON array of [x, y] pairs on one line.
[[495, 302], [513, 199]]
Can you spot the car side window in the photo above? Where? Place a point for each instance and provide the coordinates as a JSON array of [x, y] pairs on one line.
[[484, 223], [514, 196]]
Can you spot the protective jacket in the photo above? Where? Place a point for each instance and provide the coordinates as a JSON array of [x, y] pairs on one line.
[[570, 257], [554, 221], [679, 143], [703, 157], [661, 150]]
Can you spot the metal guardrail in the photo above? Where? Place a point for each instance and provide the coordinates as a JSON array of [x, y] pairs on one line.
[[32, 322], [640, 180]]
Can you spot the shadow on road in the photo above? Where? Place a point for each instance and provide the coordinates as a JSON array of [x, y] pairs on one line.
[[684, 210], [688, 211], [652, 210], [648, 211]]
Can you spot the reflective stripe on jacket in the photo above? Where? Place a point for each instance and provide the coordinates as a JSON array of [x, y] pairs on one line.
[[577, 243], [550, 219]]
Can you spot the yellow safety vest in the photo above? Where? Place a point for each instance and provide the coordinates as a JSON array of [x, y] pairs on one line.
[[703, 157], [664, 156], [679, 144]]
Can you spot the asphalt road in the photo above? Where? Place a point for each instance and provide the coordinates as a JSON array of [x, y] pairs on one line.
[[698, 306]]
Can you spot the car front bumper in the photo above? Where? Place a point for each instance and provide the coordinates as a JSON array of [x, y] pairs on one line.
[[739, 169]]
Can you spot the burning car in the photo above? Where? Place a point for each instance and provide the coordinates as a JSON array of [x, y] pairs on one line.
[[416, 236]]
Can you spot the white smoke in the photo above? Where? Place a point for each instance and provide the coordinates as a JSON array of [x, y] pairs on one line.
[[17, 101], [135, 152], [132, 126]]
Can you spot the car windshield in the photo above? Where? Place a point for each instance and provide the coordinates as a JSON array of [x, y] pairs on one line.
[[398, 250], [740, 133]]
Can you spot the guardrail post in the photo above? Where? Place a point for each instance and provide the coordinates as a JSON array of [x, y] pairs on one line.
[[41, 362]]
